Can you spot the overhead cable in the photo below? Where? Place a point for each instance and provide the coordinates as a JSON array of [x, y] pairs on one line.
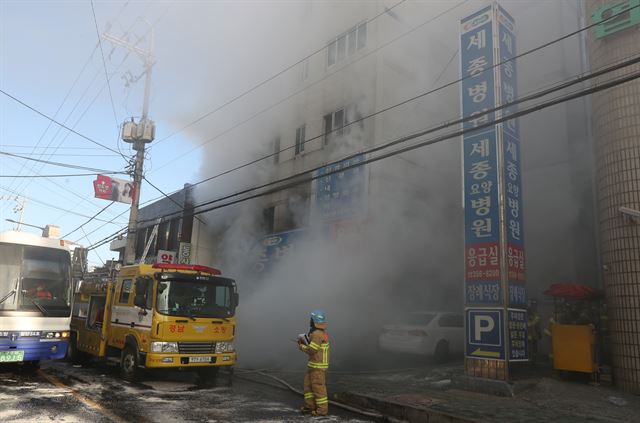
[[302, 177], [90, 219], [33, 109], [67, 165]]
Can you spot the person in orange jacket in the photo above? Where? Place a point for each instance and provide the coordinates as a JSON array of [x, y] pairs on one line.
[[316, 345]]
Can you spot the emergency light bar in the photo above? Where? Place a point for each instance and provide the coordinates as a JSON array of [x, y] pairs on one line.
[[194, 267]]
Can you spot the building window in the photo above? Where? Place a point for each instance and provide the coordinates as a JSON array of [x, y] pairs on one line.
[[300, 133], [276, 150], [347, 44], [333, 125], [268, 218]]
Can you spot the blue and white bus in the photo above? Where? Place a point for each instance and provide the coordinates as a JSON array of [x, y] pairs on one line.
[[35, 298]]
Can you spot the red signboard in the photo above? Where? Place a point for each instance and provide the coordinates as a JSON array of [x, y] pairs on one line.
[[119, 190]]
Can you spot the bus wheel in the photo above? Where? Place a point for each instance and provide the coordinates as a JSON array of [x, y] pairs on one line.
[[207, 376], [31, 366], [129, 363]]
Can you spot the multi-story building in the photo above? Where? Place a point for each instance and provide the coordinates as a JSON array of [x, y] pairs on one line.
[[616, 126], [385, 74]]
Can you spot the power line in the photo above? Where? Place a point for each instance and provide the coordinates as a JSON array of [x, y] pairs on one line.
[[356, 60], [33, 109], [302, 180], [67, 165], [104, 64], [33, 200], [66, 175], [271, 78], [299, 178], [111, 221], [90, 219], [171, 199], [25, 155]]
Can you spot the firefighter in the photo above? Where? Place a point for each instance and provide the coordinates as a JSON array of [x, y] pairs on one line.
[[316, 401], [533, 330]]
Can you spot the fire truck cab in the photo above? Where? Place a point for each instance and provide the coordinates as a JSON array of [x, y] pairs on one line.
[[157, 316]]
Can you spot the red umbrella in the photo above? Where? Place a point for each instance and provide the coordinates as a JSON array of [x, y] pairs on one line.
[[572, 290]]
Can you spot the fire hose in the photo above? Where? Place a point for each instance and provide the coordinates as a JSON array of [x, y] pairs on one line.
[[371, 414]]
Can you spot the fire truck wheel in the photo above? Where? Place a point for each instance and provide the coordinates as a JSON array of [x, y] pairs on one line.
[[129, 363], [73, 354], [207, 376]]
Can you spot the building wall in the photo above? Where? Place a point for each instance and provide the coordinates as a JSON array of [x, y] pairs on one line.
[[616, 125]]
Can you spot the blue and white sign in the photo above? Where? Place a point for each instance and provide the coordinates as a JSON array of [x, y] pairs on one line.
[[341, 195], [276, 247], [510, 133], [485, 333], [483, 278], [494, 237], [517, 330]]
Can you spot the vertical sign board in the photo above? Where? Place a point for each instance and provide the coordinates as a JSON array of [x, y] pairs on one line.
[[480, 163], [509, 132], [494, 241]]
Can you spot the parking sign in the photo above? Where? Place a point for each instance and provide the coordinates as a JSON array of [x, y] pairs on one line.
[[485, 333]]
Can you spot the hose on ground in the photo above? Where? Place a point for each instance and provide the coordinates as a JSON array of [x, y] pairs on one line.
[[332, 402]]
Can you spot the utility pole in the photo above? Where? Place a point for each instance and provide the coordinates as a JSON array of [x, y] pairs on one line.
[[138, 134]]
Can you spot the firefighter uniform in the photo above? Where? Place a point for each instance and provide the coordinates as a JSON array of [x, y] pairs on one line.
[[315, 389]]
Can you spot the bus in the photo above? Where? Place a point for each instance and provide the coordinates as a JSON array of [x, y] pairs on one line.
[[35, 298]]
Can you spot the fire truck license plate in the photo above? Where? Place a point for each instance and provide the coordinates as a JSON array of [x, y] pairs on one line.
[[8, 356], [199, 359]]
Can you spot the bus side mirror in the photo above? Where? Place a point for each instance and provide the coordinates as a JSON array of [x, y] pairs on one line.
[[236, 299]]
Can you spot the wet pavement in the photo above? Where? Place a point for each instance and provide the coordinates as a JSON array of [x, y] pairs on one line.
[[61, 392], [546, 398]]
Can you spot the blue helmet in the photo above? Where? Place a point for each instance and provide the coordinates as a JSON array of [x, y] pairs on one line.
[[318, 316]]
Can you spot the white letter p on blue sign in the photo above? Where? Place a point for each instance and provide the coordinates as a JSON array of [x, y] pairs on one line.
[[484, 324]]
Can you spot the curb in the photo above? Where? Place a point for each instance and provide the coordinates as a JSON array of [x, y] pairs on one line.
[[401, 411], [491, 386]]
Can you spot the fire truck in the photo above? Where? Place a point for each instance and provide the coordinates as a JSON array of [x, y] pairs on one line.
[[160, 316]]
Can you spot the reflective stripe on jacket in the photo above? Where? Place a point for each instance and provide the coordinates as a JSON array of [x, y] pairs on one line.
[[318, 350]]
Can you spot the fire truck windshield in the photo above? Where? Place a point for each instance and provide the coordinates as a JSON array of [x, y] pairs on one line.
[[195, 298]]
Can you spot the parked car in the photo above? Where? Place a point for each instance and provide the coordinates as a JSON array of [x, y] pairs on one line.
[[429, 333]]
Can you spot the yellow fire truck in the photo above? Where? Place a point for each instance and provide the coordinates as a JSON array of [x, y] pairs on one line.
[[157, 316]]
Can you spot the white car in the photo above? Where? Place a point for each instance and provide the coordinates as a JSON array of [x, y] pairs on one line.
[[429, 333]]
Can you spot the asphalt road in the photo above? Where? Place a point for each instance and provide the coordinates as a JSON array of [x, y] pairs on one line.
[[61, 392]]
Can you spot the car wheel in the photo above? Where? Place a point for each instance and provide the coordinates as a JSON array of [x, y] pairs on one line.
[[129, 363], [441, 354]]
